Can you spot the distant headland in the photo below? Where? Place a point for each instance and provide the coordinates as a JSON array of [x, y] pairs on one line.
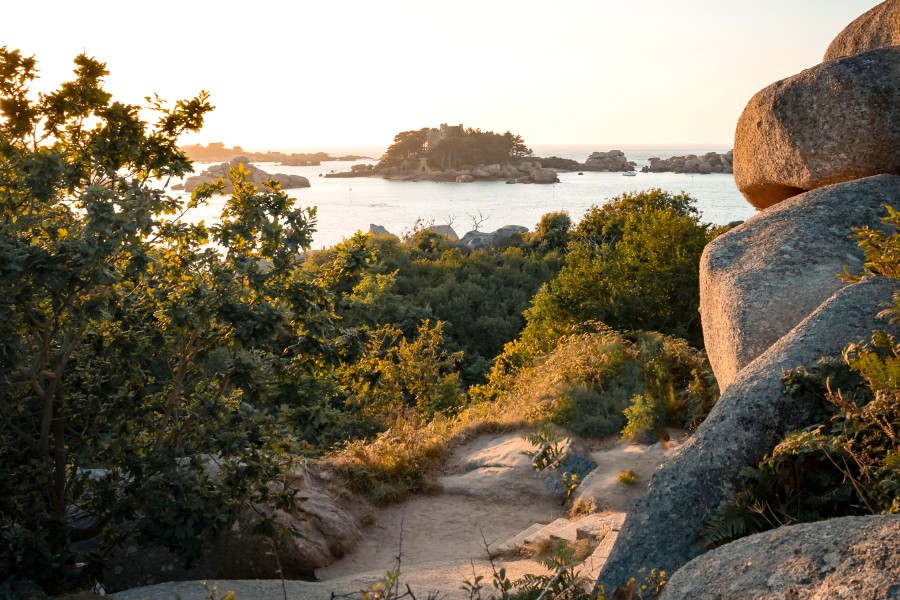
[[217, 152]]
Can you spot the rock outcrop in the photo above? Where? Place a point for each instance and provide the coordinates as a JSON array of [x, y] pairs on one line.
[[839, 559], [380, 231], [711, 162], [613, 161], [507, 235], [835, 122], [878, 28], [662, 531], [326, 519], [256, 176], [760, 279]]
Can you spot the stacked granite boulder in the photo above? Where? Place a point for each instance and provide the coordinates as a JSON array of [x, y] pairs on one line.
[[613, 161], [819, 154]]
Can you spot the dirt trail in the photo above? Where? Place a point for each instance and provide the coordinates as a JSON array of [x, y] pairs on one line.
[[488, 487]]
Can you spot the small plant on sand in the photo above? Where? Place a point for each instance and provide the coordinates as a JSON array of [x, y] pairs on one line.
[[550, 447], [628, 477], [570, 482]]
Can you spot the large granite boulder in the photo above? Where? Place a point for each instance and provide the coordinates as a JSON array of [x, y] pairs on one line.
[[877, 28], [477, 239], [760, 279], [445, 231], [839, 559], [663, 528], [836, 122]]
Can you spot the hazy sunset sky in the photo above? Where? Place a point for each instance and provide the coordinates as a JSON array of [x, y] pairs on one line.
[[325, 74]]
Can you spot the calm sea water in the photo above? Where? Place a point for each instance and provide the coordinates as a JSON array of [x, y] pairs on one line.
[[348, 205]]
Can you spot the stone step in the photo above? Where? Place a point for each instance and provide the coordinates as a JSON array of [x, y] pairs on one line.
[[596, 526], [558, 529], [513, 544], [598, 558]]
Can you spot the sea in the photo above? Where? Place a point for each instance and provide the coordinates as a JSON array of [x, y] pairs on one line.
[[347, 205]]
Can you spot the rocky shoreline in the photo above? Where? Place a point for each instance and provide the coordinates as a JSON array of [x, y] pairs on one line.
[[533, 170]]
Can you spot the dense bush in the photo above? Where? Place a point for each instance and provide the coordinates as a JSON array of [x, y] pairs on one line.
[[632, 264], [603, 383], [478, 296], [144, 362]]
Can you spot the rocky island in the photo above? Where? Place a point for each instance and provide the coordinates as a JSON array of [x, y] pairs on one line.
[[256, 176]]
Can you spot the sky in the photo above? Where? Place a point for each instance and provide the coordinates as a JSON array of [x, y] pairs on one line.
[[316, 74]]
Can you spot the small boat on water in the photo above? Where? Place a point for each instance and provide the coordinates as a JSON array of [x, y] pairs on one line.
[[629, 173]]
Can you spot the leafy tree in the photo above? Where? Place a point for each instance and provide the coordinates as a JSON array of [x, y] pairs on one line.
[[143, 360], [552, 232], [407, 144], [517, 147], [395, 376], [632, 264]]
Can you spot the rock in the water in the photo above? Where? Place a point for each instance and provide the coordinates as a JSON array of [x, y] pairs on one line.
[[839, 559], [877, 28], [836, 122], [663, 528], [255, 175], [545, 176], [759, 280]]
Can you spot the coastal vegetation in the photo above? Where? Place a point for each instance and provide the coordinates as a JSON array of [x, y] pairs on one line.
[[159, 377], [452, 148]]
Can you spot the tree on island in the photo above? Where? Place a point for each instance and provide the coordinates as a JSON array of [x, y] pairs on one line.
[[452, 148]]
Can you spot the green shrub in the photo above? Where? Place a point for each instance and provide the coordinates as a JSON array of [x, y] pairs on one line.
[[588, 383]]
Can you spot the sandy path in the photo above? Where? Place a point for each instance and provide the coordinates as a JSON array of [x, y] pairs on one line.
[[488, 486]]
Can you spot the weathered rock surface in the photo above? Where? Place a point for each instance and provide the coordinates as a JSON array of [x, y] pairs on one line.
[[711, 162], [877, 28], [256, 176], [836, 122], [839, 559], [760, 279], [662, 530], [328, 528]]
